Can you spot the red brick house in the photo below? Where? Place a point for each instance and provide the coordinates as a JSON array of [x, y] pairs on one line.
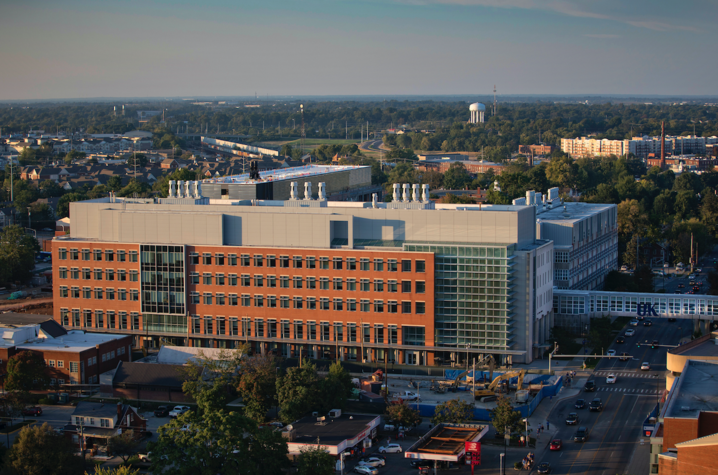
[[94, 423]]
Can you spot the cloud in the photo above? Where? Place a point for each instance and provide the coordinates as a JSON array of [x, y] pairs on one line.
[[602, 36], [564, 7]]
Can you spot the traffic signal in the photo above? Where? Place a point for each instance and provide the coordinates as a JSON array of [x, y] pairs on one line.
[[638, 344], [653, 346]]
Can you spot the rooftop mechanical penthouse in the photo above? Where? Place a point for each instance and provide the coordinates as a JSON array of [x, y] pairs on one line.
[[408, 281]]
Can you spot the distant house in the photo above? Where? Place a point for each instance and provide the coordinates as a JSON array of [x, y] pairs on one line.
[[96, 423], [169, 164]]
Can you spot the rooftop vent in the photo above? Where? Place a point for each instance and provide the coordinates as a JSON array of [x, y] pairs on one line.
[[685, 408]]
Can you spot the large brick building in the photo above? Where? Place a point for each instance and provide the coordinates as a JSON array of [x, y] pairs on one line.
[[73, 357]]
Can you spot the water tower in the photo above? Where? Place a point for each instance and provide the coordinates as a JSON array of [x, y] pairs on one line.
[[477, 110]]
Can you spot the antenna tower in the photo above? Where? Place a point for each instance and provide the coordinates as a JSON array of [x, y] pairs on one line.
[[304, 135], [494, 99]]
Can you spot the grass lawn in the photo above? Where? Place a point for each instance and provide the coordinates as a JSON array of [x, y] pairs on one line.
[[317, 142], [620, 322]]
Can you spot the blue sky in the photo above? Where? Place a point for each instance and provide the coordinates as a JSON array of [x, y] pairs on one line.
[[123, 48]]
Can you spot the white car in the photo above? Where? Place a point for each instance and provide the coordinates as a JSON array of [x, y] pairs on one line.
[[366, 470], [633, 323], [178, 411], [389, 427], [630, 332], [624, 268], [645, 366], [390, 449], [373, 461], [611, 352], [611, 379]]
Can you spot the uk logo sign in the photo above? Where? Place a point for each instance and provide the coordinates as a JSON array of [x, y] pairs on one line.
[[646, 310]]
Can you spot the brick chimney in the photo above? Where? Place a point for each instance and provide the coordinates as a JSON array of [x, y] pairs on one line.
[[119, 412], [663, 145]]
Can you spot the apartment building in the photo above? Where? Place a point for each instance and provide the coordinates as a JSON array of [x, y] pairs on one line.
[[641, 147], [74, 357], [408, 281]]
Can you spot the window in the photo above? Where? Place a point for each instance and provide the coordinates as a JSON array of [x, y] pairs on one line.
[[561, 257], [134, 295], [232, 279], [365, 285], [405, 265], [391, 286], [74, 366], [406, 307], [99, 319], [391, 265], [271, 261], [75, 292], [120, 256], [338, 284], [378, 285], [311, 262], [109, 255], [51, 363], [109, 274], [338, 305], [338, 331], [420, 286], [311, 303], [259, 281], [196, 325], [325, 330], [420, 266], [323, 303], [74, 273], [311, 282], [110, 294], [298, 330], [220, 326], [406, 286], [379, 306], [219, 279], [284, 281], [420, 308], [393, 335], [246, 300], [98, 274], [298, 302], [391, 306], [378, 265], [194, 298], [245, 280], [271, 281], [98, 293], [63, 317], [324, 263], [324, 283], [207, 298], [297, 282], [207, 259], [122, 275], [259, 301], [351, 305], [62, 254], [219, 299], [259, 327], [284, 262], [104, 423], [86, 254], [258, 260], [232, 258], [133, 276], [86, 293], [121, 294], [232, 300], [63, 291], [219, 259], [338, 262], [74, 255], [351, 263], [378, 334], [363, 264], [351, 284], [63, 272], [207, 278], [272, 301], [351, 332], [312, 330], [86, 274], [297, 262], [123, 323], [283, 302], [133, 256]]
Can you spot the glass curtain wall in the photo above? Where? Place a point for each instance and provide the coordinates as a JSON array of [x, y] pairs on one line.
[[163, 285]]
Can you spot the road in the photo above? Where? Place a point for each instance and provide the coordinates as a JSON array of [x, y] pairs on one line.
[[372, 146]]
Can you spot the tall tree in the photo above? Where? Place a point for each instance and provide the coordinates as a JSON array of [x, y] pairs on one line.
[[26, 371], [297, 391], [123, 445], [39, 450], [335, 388], [402, 414], [454, 410], [315, 460], [257, 385], [456, 177], [17, 254], [504, 415]]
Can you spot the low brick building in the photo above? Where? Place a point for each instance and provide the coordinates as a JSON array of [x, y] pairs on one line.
[[145, 382], [73, 357]]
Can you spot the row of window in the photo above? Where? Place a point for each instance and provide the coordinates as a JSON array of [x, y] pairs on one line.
[[88, 274], [308, 262], [310, 303], [102, 319], [299, 282], [99, 293], [107, 255]]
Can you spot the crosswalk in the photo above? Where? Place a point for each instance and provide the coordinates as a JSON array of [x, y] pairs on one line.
[[625, 375], [626, 390]]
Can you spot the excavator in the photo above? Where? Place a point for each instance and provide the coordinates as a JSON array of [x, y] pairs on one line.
[[486, 361], [491, 389]]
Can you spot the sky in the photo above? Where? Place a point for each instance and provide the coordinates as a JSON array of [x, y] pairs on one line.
[[59, 49]]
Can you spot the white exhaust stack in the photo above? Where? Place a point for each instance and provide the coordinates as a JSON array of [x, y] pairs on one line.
[[307, 190], [374, 200], [425, 190], [186, 189], [322, 194], [198, 189], [396, 192], [293, 190], [415, 193], [406, 192], [171, 193], [180, 188]]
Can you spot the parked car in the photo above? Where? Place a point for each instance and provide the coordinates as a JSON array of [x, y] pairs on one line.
[[596, 405], [162, 411], [178, 411], [620, 339], [372, 461], [366, 470], [390, 449], [422, 463], [544, 467], [32, 411], [555, 444], [581, 435], [580, 404], [590, 386], [645, 366], [611, 379], [389, 427], [572, 419], [630, 332]]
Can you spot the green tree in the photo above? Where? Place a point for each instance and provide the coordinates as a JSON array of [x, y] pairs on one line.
[[17, 254], [286, 150], [315, 460], [135, 187], [257, 385], [402, 414], [139, 159], [432, 178], [123, 445], [114, 183], [26, 371], [39, 450], [504, 415], [73, 155], [335, 388], [456, 177], [49, 189], [121, 470], [454, 410], [210, 381], [297, 391], [28, 156], [63, 206]]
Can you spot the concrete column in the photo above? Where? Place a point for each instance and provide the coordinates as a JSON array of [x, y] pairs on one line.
[[705, 327], [696, 325]]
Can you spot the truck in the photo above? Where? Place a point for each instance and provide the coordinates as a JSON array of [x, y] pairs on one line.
[[407, 396], [491, 389]]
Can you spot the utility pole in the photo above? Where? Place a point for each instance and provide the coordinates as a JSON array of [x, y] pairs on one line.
[[346, 130], [304, 135], [473, 381], [691, 258]]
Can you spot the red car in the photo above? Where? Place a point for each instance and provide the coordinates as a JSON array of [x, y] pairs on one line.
[[32, 411], [555, 444]]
